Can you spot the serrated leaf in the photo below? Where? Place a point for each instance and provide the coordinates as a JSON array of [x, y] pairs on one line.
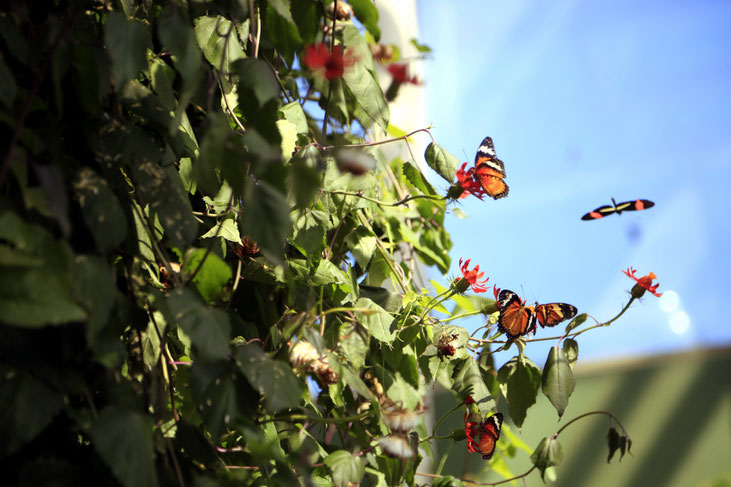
[[208, 328], [213, 275], [127, 41], [444, 163], [354, 344], [124, 441], [361, 82], [101, 210], [210, 32], [378, 323], [272, 378], [558, 381], [288, 132], [281, 26], [227, 229], [309, 233], [519, 382], [344, 468], [468, 376], [415, 177]]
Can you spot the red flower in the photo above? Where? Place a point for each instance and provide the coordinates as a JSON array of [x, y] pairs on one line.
[[319, 58], [495, 292], [473, 276], [472, 431], [400, 73], [469, 184], [643, 284]]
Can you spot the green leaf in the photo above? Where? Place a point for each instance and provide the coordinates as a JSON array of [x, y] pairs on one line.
[[281, 28], [211, 34], [194, 443], [377, 321], [178, 37], [127, 41], [226, 229], [571, 350], [558, 381], [270, 232], [28, 407], [617, 441], [124, 441], [40, 295], [258, 78], [367, 13], [416, 178], [288, 132], [309, 232], [468, 376], [293, 112], [208, 328], [219, 394], [354, 344], [422, 48], [344, 468], [101, 210], [447, 481], [362, 244], [94, 288], [162, 189], [519, 381], [273, 379], [361, 82], [7, 94], [578, 321], [547, 455], [211, 278], [444, 163]]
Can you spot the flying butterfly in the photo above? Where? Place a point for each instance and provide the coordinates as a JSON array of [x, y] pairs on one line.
[[489, 434], [516, 319], [490, 170], [618, 208]]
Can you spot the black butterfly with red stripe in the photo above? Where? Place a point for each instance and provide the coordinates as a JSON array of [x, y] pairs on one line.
[[618, 208], [490, 171]]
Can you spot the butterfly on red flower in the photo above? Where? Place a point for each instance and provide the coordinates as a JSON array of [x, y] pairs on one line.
[[482, 436], [490, 171]]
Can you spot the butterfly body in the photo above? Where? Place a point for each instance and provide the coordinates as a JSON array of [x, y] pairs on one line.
[[618, 208], [517, 319], [490, 170]]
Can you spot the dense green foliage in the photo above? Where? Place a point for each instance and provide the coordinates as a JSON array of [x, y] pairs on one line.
[[200, 284]]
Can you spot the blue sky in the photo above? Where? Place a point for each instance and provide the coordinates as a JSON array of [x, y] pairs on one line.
[[586, 101]]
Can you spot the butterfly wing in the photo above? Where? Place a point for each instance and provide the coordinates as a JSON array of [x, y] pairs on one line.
[[635, 205], [600, 212], [516, 319], [552, 314], [491, 179], [490, 434]]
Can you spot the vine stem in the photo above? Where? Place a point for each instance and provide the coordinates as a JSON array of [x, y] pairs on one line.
[[383, 203], [444, 416], [380, 142]]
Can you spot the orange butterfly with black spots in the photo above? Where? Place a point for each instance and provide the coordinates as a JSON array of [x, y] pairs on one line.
[[487, 433], [490, 171], [517, 319]]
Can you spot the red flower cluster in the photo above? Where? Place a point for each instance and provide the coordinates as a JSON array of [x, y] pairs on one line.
[[400, 73], [644, 283], [468, 182], [473, 276], [332, 64]]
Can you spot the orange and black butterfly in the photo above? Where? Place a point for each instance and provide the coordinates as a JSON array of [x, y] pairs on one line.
[[551, 314], [490, 170], [516, 319], [489, 434], [618, 208]]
